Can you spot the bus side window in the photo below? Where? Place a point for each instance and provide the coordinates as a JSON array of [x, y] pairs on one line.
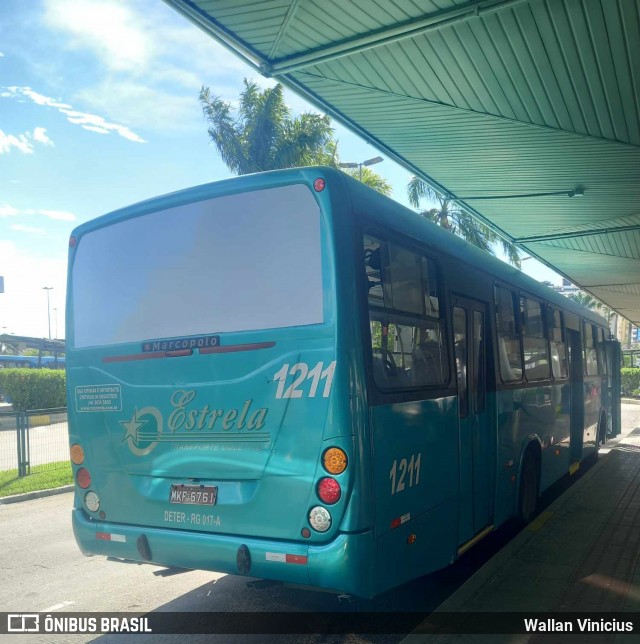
[[460, 352], [509, 354], [407, 332], [600, 352], [590, 355], [534, 340], [558, 345]]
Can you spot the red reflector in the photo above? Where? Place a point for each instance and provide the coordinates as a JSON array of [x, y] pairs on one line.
[[396, 523], [329, 490], [319, 184], [103, 536], [83, 478], [72, 241], [297, 559]]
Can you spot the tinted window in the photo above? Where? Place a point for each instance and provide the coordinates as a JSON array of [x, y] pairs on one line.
[[404, 314], [460, 352], [234, 263], [534, 341], [590, 354], [558, 346], [508, 336]]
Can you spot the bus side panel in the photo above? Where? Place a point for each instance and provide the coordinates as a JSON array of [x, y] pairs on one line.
[[422, 545], [531, 414], [592, 409], [415, 454]]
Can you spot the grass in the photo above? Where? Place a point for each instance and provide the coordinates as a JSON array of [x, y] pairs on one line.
[[42, 477]]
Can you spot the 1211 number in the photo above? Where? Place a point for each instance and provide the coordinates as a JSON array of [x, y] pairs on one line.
[[302, 372], [400, 470]]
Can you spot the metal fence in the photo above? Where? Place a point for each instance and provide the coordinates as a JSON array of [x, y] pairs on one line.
[[30, 439]]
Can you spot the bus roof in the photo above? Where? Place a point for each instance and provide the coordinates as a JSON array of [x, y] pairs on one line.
[[365, 201]]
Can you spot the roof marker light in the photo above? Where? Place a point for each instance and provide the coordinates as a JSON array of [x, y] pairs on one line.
[[319, 184]]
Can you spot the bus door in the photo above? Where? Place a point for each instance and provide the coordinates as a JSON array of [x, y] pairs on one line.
[[469, 325], [576, 374], [614, 359]]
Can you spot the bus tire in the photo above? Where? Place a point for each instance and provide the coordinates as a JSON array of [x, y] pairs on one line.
[[529, 486]]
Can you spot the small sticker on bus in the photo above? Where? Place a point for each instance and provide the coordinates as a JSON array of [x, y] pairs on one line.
[[99, 398]]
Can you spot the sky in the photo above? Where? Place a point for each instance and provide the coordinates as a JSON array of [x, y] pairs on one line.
[[99, 110]]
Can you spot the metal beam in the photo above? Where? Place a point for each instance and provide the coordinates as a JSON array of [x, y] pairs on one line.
[[377, 38], [572, 235], [283, 28]]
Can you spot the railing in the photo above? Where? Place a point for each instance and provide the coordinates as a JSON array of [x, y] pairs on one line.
[[36, 438]]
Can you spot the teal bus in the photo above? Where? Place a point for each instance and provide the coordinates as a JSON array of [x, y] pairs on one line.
[[289, 376]]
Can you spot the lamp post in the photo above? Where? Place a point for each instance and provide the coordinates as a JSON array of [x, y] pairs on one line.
[[55, 322], [47, 289], [368, 162]]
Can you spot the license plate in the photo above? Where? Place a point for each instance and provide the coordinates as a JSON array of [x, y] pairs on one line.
[[193, 494]]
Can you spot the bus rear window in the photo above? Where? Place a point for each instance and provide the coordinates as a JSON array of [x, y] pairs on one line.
[[239, 262]]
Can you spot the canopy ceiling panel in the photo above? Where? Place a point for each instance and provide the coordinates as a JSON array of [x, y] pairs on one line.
[[484, 100]]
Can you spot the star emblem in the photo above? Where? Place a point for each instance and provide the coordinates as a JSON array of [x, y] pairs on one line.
[[132, 426]]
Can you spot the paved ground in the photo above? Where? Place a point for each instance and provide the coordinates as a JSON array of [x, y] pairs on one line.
[[41, 569], [581, 555]]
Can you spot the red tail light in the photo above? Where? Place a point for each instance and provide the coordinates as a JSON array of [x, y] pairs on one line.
[[83, 478], [329, 490]]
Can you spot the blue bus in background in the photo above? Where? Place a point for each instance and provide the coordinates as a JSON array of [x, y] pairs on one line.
[[32, 362], [289, 376]]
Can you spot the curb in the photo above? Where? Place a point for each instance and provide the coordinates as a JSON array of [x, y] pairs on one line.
[[28, 496], [630, 401]]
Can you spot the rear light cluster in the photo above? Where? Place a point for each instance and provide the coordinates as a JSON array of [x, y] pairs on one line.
[[83, 479], [328, 490]]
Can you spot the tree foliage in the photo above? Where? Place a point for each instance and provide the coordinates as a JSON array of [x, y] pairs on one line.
[[451, 217], [34, 388], [261, 134]]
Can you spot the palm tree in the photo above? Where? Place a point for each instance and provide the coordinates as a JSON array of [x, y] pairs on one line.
[[262, 135], [369, 178], [458, 221]]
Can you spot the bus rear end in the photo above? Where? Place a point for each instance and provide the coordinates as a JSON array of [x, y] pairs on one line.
[[208, 410]]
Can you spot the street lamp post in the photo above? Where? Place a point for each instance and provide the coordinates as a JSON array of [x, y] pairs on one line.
[[47, 289], [55, 321], [368, 162]]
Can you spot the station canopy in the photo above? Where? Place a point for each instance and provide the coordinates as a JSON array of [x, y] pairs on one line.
[[496, 103]]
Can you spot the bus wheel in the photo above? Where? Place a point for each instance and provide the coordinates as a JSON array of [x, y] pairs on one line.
[[528, 494]]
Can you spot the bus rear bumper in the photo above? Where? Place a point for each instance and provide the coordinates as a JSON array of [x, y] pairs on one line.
[[342, 565]]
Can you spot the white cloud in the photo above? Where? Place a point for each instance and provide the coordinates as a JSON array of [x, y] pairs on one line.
[[95, 128], [148, 57], [23, 142], [85, 120], [1, 55], [20, 143], [142, 106], [109, 29], [28, 229], [7, 210], [40, 135], [60, 215]]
